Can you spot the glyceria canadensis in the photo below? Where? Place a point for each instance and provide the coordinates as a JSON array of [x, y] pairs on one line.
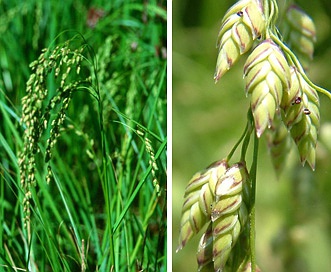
[[284, 105]]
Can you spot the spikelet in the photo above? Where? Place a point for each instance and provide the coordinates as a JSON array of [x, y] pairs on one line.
[[242, 24], [305, 131], [279, 143], [198, 201], [292, 100], [267, 76], [300, 34], [229, 213], [302, 117]]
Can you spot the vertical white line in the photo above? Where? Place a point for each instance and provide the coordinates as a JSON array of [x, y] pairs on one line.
[[169, 135]]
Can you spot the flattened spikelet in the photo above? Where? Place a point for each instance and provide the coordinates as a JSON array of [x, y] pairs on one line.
[[267, 76], [300, 34], [229, 214], [301, 107], [242, 24], [198, 201]]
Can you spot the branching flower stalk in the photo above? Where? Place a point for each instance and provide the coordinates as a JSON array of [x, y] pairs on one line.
[[62, 65], [37, 107], [43, 112], [284, 105]]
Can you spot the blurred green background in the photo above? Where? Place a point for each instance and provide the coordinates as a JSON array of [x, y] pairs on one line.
[[293, 231]]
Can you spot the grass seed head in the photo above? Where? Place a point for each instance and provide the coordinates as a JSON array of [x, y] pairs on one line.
[[226, 231], [242, 24], [300, 34], [229, 215], [198, 201], [267, 77], [305, 134], [37, 107], [305, 131]]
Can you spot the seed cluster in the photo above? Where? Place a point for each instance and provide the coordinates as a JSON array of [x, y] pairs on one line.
[[274, 77], [284, 105], [215, 196], [38, 108], [151, 161], [242, 25], [298, 29]]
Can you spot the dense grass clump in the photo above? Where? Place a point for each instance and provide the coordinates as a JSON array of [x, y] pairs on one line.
[[83, 136]]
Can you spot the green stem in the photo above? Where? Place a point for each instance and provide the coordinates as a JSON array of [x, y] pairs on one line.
[[249, 129], [253, 171], [228, 158], [107, 177], [266, 14], [246, 134], [270, 11]]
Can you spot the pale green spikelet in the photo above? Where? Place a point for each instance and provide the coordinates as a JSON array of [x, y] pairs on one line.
[[305, 132], [229, 214], [218, 240], [292, 100], [299, 32], [242, 24], [198, 201], [302, 117], [279, 143], [267, 76]]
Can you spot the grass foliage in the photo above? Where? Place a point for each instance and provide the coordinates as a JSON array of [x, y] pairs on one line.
[[83, 136]]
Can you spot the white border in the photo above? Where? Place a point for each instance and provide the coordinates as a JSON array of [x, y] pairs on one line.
[[169, 135]]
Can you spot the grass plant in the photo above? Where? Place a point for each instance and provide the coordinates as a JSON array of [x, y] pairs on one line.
[[83, 136]]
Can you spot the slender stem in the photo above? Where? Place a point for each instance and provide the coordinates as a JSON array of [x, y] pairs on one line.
[[246, 134], [238, 143], [106, 178], [253, 171], [248, 130]]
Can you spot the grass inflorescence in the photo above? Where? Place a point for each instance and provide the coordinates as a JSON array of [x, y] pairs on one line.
[[284, 104], [83, 163]]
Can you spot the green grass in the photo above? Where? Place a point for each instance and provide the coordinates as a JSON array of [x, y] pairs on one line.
[[104, 208]]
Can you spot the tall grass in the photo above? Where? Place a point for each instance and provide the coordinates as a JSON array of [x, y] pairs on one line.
[[104, 205]]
